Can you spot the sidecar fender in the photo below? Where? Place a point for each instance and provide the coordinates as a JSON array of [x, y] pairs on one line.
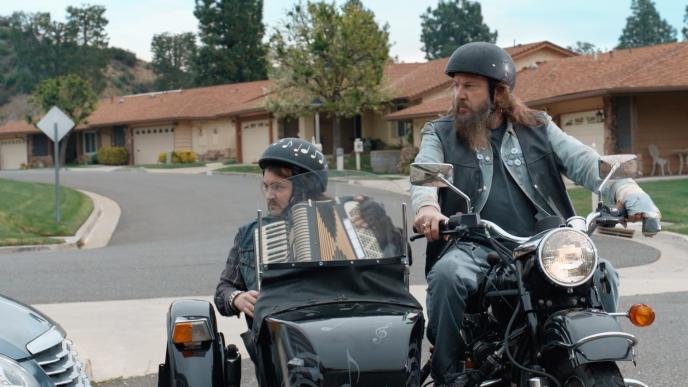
[[586, 336], [197, 365]]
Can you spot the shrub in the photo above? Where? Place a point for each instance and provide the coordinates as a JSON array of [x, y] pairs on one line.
[[115, 155], [179, 157], [186, 157], [408, 154]]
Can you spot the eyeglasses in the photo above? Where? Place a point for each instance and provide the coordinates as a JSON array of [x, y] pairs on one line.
[[277, 187]]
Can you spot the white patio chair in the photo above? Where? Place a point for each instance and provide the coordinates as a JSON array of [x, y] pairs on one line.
[[656, 160]]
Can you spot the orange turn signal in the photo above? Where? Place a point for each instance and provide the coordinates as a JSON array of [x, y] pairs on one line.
[[641, 315], [190, 331]]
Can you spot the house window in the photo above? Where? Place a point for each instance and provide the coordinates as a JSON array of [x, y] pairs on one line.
[[118, 138], [403, 128], [90, 143], [40, 145]]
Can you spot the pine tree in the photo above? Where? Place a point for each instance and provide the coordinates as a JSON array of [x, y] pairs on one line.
[[172, 60], [452, 24], [231, 33], [645, 27]]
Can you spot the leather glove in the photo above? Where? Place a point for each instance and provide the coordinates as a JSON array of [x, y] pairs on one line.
[[639, 206]]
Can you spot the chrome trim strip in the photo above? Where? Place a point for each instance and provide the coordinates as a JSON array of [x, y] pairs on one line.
[[490, 382], [503, 233], [49, 339], [631, 338]]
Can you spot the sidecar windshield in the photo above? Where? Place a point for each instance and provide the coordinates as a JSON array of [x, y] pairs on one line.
[[335, 218]]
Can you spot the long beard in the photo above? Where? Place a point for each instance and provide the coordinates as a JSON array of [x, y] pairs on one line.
[[472, 128]]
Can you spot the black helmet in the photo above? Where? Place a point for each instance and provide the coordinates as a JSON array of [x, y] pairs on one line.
[[300, 155], [484, 59]]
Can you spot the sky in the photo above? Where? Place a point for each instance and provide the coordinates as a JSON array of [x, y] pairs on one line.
[[132, 23]]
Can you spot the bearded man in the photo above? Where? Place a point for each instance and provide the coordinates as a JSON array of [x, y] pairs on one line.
[[509, 160]]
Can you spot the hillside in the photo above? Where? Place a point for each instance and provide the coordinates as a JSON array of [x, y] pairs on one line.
[[125, 75]]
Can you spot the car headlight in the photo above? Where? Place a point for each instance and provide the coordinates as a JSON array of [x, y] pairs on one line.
[[14, 375], [567, 257]]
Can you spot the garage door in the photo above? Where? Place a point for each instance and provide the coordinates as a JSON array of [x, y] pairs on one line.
[[150, 142], [254, 139], [12, 153], [587, 127]]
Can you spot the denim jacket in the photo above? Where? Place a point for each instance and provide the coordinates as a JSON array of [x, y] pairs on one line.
[[580, 164]]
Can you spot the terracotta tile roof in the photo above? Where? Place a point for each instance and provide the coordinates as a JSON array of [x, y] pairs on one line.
[[434, 107], [202, 102], [639, 69], [406, 81], [411, 80], [632, 70], [520, 50], [18, 127]]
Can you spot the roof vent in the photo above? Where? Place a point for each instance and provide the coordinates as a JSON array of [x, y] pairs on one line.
[[533, 66], [121, 100], [594, 55]]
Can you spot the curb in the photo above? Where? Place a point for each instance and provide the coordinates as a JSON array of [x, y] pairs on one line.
[[83, 234]]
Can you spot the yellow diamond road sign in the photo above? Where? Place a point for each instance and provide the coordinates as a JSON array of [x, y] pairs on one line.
[[55, 117]]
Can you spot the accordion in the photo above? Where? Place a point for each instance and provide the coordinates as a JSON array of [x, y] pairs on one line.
[[318, 231]]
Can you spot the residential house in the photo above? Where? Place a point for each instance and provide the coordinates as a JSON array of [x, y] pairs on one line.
[[616, 102], [21, 144]]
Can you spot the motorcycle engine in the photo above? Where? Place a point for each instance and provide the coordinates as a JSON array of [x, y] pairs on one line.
[[501, 308]]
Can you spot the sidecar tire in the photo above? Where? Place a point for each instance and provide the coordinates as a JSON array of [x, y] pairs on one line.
[[413, 370], [594, 375]]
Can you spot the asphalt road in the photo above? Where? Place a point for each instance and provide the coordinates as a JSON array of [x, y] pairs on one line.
[[173, 238], [175, 232]]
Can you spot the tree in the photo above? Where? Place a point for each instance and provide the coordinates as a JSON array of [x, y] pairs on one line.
[[336, 55], [231, 33], [583, 48], [172, 59], [685, 21], [452, 24], [72, 94], [85, 30], [43, 48], [645, 27]]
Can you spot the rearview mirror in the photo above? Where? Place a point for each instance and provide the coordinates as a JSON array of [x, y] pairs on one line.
[[432, 174], [619, 166]]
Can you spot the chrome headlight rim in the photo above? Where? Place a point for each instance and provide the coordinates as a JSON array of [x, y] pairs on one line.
[[9, 364], [554, 280]]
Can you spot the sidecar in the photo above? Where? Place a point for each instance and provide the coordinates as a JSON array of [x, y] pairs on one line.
[[334, 306]]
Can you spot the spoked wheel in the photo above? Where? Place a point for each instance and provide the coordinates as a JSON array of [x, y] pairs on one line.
[[594, 375]]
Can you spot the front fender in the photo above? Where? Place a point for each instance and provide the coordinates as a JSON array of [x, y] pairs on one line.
[[202, 366], [585, 336]]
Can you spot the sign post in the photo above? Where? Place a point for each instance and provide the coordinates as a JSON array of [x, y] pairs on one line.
[[358, 148], [55, 125]]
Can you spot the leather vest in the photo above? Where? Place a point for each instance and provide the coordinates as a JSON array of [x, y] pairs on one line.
[[542, 167]]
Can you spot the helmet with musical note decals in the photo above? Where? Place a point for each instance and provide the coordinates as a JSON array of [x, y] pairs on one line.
[[299, 155]]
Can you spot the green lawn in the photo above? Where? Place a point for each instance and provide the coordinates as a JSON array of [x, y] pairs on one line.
[[27, 212], [173, 166], [671, 196]]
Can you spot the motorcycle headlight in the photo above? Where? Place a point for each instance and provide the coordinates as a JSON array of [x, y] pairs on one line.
[[14, 375], [567, 257]]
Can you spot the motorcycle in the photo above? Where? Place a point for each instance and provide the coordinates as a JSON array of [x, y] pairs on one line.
[[537, 318], [334, 306]]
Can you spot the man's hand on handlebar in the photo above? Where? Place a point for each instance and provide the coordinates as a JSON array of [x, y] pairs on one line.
[[427, 222]]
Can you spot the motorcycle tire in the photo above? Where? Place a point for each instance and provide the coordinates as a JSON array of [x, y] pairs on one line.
[[594, 375], [413, 369]]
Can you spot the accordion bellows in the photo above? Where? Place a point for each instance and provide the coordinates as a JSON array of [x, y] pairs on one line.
[[318, 231]]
